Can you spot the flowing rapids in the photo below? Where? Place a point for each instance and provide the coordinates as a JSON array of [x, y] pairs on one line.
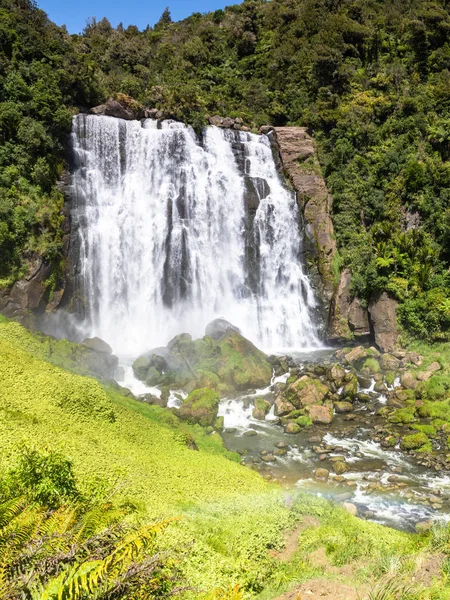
[[174, 230]]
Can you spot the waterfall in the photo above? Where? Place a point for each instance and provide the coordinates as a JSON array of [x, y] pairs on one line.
[[173, 230]]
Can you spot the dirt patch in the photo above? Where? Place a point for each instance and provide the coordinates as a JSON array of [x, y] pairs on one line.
[[428, 570], [291, 539], [323, 589]]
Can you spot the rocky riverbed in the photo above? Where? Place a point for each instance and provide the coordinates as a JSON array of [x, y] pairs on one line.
[[353, 424]]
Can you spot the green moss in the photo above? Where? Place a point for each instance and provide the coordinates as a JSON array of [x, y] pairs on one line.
[[389, 378], [403, 415], [429, 430], [200, 407], [304, 421], [372, 365], [415, 441]]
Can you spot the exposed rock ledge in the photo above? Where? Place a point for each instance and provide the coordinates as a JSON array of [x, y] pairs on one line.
[[302, 167]]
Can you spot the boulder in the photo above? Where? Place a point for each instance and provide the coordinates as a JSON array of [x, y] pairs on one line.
[[114, 108], [320, 415], [349, 318], [408, 381], [350, 508], [141, 367], [343, 407], [429, 372], [291, 427], [388, 362], [201, 406], [261, 409], [97, 345], [356, 355], [283, 407], [336, 374], [306, 391], [321, 474], [231, 361], [340, 467], [383, 318], [219, 327]]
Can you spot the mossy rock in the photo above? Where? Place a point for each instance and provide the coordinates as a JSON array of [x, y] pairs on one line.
[[371, 365], [307, 391], [304, 421], [201, 406], [261, 409], [403, 415], [414, 441], [227, 364]]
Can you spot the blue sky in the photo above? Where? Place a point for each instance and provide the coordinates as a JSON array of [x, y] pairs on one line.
[[74, 14]]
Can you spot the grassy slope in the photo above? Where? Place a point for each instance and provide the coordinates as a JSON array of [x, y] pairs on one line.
[[232, 517]]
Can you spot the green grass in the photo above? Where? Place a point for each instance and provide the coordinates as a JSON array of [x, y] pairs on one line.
[[232, 518]]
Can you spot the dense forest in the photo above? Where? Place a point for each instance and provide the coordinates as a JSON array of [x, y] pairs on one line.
[[371, 79]]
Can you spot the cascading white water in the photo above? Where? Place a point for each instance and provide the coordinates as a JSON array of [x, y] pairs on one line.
[[168, 240]]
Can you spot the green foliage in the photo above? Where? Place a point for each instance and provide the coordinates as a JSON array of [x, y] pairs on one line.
[[414, 441], [46, 479]]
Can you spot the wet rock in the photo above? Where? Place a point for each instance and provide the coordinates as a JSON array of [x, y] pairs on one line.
[[153, 400], [314, 198], [356, 355], [318, 414], [115, 108], [322, 474], [383, 318], [343, 407], [262, 407], [282, 445], [219, 327], [306, 391], [283, 407], [201, 406], [97, 345], [291, 427], [348, 317], [336, 374], [350, 418], [315, 439], [268, 458], [364, 398], [249, 433], [340, 467]]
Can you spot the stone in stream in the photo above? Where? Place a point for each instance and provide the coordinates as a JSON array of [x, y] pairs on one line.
[[281, 445], [291, 427], [322, 415], [283, 407], [340, 467], [250, 433], [322, 474], [343, 407]]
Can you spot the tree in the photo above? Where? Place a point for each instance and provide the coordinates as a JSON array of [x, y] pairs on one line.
[[165, 19]]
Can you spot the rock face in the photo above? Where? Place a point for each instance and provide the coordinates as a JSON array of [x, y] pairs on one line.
[[28, 297], [114, 108], [302, 167], [348, 317], [383, 319]]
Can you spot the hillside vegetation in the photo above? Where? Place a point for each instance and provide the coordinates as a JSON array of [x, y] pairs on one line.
[[371, 80], [88, 479]]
